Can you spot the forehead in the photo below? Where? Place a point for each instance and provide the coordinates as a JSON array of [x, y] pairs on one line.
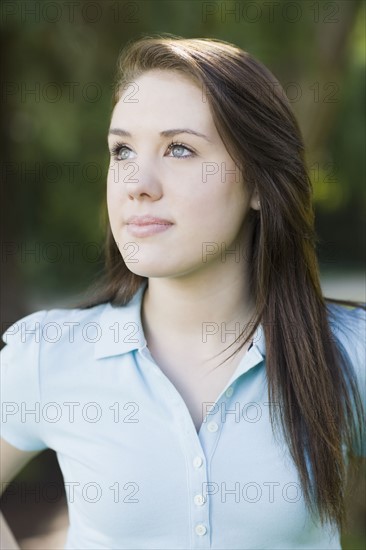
[[164, 95]]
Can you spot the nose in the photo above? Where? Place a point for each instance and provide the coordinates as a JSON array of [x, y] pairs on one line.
[[140, 179]]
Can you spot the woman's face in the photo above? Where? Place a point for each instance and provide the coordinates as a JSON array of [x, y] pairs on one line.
[[195, 185]]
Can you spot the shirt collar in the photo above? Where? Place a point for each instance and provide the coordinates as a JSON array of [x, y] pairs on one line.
[[121, 328], [122, 331]]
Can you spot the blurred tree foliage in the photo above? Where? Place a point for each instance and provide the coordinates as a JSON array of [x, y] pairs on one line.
[[57, 72]]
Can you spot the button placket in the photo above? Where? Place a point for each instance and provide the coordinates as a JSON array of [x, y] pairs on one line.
[[200, 522], [209, 435], [199, 443]]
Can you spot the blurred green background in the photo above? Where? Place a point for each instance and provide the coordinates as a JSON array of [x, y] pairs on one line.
[[58, 69]]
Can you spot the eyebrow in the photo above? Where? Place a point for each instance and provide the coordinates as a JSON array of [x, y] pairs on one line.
[[164, 133]]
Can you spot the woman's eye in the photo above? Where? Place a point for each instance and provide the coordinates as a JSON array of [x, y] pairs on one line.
[[116, 152], [181, 146], [120, 151]]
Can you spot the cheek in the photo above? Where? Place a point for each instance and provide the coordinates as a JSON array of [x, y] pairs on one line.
[[114, 214], [222, 207], [113, 193]]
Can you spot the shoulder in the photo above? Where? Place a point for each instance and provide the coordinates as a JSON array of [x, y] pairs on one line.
[[348, 325], [58, 325], [349, 328]]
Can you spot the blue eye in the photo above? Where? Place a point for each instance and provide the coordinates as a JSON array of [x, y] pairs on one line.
[[116, 150], [182, 146]]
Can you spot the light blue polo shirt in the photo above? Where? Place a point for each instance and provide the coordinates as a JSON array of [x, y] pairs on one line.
[[137, 475]]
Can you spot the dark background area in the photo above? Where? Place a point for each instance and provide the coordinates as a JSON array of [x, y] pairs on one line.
[[58, 68]]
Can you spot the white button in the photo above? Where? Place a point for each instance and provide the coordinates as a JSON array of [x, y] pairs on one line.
[[212, 427], [197, 462], [229, 392], [200, 529], [199, 500]]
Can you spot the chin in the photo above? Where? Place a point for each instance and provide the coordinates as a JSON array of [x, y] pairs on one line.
[[159, 267], [148, 272], [153, 268], [159, 271]]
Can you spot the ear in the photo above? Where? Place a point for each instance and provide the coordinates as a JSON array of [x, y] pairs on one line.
[[254, 200]]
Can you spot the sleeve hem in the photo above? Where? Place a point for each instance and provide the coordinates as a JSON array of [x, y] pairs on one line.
[[20, 443]]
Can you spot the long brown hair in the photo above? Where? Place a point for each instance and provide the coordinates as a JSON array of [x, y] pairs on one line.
[[309, 374]]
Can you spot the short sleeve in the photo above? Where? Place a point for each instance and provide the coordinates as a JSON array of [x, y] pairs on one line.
[[351, 332], [21, 411]]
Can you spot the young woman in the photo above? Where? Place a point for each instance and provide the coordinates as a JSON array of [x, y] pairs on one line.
[[207, 395]]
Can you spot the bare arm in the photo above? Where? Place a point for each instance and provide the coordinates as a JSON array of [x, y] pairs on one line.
[[12, 460]]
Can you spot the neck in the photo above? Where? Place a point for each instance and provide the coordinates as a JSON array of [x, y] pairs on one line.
[[202, 312]]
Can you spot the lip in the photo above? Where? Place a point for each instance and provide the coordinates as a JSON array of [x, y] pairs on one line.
[[147, 229], [144, 226], [147, 220]]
